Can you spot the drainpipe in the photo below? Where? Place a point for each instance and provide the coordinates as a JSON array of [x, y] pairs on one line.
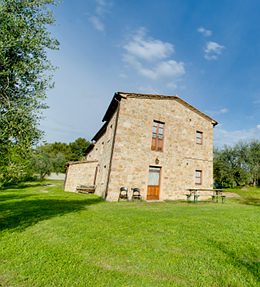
[[112, 151]]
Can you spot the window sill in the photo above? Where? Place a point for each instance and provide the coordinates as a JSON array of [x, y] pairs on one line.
[[156, 150]]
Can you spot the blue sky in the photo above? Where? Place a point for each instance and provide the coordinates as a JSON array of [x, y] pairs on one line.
[[206, 52]]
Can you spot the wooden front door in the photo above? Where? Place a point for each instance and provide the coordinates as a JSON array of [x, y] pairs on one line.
[[153, 183]]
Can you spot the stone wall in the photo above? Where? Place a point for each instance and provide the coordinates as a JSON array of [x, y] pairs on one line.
[[180, 158], [102, 153], [80, 173]]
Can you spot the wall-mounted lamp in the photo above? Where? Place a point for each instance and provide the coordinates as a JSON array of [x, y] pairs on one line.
[[157, 160]]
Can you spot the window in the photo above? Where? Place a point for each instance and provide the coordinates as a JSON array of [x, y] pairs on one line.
[[198, 137], [154, 176], [157, 138], [198, 177]]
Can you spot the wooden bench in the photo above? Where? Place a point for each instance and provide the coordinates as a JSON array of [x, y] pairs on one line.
[[85, 188]]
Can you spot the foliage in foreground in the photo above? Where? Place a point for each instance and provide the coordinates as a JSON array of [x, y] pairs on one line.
[[53, 238], [24, 39]]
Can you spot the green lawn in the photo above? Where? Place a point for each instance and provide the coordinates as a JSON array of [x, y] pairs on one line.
[[55, 238]]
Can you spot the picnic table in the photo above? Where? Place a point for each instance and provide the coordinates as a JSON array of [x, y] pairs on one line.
[[196, 192]]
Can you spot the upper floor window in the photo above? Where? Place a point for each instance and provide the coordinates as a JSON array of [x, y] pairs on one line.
[[199, 137], [158, 134], [198, 177]]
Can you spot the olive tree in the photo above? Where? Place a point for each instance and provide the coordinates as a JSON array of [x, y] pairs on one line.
[[24, 79]]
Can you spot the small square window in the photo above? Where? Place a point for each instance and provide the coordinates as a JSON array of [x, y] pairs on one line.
[[198, 137]]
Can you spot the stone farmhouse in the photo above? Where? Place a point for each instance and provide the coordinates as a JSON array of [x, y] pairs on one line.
[[159, 144]]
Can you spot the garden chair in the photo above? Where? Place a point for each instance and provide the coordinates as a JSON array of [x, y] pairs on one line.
[[123, 193], [136, 194]]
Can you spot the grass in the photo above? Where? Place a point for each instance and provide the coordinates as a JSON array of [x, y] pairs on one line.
[[54, 238]]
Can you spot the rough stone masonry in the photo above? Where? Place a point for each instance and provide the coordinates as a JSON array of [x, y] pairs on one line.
[[159, 144]]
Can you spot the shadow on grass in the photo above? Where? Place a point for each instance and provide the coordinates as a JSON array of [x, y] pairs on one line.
[[23, 186], [252, 264], [17, 196], [18, 215], [251, 201]]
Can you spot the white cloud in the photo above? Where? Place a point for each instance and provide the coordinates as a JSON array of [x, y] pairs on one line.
[[222, 136], [148, 90], [214, 47], [103, 7], [172, 86], [205, 32], [101, 2], [209, 58], [124, 76], [97, 19], [148, 73], [223, 111], [97, 23], [148, 57], [214, 113], [212, 51], [132, 61], [148, 48], [170, 68], [256, 102], [162, 70]]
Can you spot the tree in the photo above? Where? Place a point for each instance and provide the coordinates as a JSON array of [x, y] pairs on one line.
[[41, 163], [222, 168], [57, 154], [229, 165], [78, 148], [24, 38], [252, 159], [238, 165], [59, 163]]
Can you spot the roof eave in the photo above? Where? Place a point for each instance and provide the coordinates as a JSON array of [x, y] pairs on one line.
[[90, 147], [100, 132], [112, 106]]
